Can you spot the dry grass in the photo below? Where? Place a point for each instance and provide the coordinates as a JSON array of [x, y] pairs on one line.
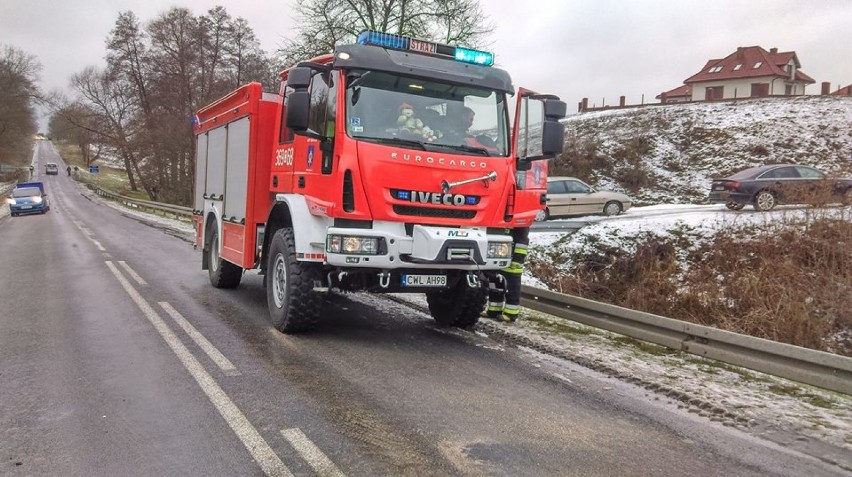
[[788, 281]]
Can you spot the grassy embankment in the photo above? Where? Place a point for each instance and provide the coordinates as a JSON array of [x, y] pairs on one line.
[[788, 281], [110, 178]]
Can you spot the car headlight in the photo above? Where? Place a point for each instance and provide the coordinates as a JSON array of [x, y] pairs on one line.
[[37, 199], [10, 201], [499, 249], [352, 244]]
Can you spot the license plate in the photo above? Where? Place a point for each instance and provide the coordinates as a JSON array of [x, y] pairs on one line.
[[719, 187], [26, 207], [424, 280]]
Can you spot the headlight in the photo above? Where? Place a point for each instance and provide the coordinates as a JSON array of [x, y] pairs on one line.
[[37, 199], [10, 201], [352, 244], [499, 249]]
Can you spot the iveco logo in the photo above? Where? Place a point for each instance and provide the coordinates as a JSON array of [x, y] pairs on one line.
[[440, 161], [437, 199]]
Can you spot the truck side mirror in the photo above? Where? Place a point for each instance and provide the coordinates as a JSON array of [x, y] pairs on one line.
[[553, 138], [299, 77], [298, 110]]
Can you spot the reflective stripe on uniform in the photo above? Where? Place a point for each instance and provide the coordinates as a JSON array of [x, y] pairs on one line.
[[511, 310], [521, 248], [494, 306]]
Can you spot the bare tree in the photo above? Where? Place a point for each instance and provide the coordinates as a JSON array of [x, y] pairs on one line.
[[116, 121], [18, 93], [78, 124], [158, 74], [326, 23]]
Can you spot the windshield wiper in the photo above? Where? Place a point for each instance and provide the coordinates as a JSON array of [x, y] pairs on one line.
[[464, 147], [394, 140]]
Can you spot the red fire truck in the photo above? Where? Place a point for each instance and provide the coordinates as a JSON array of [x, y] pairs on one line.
[[389, 165]]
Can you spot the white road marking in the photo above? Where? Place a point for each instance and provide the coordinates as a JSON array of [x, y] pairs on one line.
[[132, 274], [251, 439], [318, 461], [98, 244], [224, 364]]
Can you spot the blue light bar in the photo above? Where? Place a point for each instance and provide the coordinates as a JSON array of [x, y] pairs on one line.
[[471, 200], [399, 42], [403, 195], [474, 56], [386, 40]]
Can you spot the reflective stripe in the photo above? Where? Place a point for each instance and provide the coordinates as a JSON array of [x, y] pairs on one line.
[[508, 310], [521, 249], [495, 306]]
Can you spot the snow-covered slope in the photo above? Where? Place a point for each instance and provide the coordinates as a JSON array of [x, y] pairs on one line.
[[669, 154]]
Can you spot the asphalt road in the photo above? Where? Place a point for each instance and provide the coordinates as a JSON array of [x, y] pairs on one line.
[[118, 358]]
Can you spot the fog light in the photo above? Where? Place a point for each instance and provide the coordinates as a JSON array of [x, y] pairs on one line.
[[499, 249]]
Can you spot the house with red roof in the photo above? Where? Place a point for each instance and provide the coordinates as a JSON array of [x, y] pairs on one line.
[[749, 72], [681, 94], [844, 91]]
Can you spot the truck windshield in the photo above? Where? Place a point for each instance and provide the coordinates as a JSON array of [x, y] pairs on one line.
[[388, 108]]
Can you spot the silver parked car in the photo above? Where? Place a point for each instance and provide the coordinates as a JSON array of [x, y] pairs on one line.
[[568, 196]]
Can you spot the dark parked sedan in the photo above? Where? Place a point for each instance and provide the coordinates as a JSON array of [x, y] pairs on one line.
[[766, 186]]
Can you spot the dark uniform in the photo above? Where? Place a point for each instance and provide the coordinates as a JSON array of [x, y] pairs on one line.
[[504, 299]]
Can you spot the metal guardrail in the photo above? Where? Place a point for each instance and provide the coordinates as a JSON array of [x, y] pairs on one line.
[[177, 211], [817, 368]]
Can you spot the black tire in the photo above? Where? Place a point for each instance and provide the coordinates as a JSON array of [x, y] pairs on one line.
[[612, 208], [222, 273], [731, 205], [293, 304], [458, 306], [764, 200]]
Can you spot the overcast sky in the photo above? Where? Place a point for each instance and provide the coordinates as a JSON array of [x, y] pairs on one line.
[[600, 49]]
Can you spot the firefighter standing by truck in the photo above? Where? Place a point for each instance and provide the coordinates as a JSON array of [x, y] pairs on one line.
[[504, 294]]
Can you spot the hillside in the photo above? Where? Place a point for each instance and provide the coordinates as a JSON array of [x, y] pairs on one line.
[[669, 154]]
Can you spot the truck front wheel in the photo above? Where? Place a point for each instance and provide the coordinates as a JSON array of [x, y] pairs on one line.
[[222, 273], [457, 306], [293, 303]]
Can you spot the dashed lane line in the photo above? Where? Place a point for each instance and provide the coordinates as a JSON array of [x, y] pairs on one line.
[[132, 273], [248, 435], [221, 361], [312, 454]]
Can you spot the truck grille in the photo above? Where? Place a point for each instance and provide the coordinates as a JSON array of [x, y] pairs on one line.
[[430, 212]]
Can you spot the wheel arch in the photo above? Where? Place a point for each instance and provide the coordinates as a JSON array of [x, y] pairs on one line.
[[291, 210]]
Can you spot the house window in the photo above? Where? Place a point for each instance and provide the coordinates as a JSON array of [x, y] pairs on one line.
[[738, 66], [757, 65], [714, 93], [715, 69], [759, 90]]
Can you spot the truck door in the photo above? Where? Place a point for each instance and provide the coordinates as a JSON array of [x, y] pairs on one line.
[[535, 133]]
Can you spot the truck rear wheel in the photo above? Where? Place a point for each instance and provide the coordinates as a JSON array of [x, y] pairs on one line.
[[222, 273], [458, 306], [293, 304]]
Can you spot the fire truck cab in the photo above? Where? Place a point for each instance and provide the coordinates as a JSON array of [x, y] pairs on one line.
[[389, 165]]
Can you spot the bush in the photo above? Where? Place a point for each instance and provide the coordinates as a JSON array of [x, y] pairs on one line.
[[789, 282]]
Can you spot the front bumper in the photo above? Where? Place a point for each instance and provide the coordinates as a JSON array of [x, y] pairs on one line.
[[423, 247], [28, 209]]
